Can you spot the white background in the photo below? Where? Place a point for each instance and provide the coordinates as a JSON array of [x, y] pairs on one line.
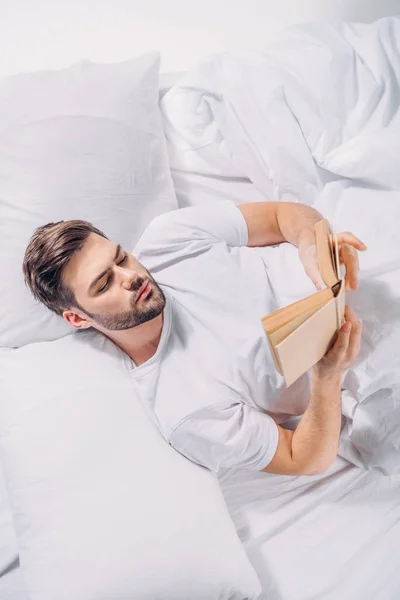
[[51, 34]]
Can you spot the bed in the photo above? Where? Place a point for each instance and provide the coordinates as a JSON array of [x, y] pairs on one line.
[[334, 535]]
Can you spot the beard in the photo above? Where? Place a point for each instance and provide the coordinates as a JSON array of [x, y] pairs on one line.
[[140, 312]]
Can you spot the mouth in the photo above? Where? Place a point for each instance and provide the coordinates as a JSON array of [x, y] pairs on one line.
[[143, 291]]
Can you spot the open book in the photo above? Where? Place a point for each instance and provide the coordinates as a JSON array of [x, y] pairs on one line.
[[300, 334]]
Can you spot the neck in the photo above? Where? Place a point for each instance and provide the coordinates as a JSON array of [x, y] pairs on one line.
[[140, 342]]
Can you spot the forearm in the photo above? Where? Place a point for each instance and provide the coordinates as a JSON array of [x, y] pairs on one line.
[[296, 222], [315, 440]]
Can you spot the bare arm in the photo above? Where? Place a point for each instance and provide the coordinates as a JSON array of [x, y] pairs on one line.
[[271, 223], [312, 447]]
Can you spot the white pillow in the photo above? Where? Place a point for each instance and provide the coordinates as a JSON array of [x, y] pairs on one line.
[[103, 507], [8, 542], [81, 143]]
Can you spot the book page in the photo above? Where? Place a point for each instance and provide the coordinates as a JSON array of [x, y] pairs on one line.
[[284, 315], [326, 261]]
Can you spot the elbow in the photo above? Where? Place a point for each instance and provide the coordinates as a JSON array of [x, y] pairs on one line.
[[318, 467], [317, 470]]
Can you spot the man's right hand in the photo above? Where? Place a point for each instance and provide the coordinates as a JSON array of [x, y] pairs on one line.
[[344, 350]]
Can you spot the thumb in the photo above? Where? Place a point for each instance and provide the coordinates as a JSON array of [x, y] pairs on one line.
[[315, 276]]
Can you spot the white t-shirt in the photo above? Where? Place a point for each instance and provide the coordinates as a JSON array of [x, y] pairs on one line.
[[212, 379]]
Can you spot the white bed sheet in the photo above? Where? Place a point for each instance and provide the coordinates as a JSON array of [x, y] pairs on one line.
[[328, 537], [193, 189], [206, 174]]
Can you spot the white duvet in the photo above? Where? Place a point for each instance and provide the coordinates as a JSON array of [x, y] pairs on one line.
[[315, 119]]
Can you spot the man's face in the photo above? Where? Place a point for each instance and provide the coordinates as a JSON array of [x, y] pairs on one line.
[[108, 284]]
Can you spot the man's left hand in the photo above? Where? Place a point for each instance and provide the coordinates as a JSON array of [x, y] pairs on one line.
[[348, 245]]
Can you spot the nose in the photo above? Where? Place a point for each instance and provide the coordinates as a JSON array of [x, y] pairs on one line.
[[129, 278]]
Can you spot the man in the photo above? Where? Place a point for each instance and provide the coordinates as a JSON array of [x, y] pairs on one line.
[[185, 321]]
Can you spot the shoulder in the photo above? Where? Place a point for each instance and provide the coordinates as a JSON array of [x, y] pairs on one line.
[[221, 221]]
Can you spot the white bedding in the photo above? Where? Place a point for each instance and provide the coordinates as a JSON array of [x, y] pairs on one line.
[[12, 585], [315, 118], [328, 537], [319, 104], [336, 535]]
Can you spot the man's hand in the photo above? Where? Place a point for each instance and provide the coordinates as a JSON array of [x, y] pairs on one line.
[[348, 245], [344, 350]]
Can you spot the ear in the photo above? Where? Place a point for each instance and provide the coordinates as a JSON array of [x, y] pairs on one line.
[[76, 320]]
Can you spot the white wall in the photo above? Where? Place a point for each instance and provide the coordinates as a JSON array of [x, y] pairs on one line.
[[53, 33]]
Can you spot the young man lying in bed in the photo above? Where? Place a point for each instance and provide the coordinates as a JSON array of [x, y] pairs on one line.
[[180, 310]]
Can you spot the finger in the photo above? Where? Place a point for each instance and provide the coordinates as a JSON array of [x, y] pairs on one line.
[[350, 260], [354, 343], [341, 345], [349, 238], [338, 346], [355, 340], [315, 276], [350, 315]]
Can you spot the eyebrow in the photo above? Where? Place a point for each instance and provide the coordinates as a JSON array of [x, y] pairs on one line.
[[97, 279]]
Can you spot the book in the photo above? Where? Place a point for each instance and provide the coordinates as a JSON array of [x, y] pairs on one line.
[[300, 334]]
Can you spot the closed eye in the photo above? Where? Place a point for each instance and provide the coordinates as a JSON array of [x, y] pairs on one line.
[[105, 286], [107, 283]]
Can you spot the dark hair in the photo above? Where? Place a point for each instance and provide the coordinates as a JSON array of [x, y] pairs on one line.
[[50, 249]]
